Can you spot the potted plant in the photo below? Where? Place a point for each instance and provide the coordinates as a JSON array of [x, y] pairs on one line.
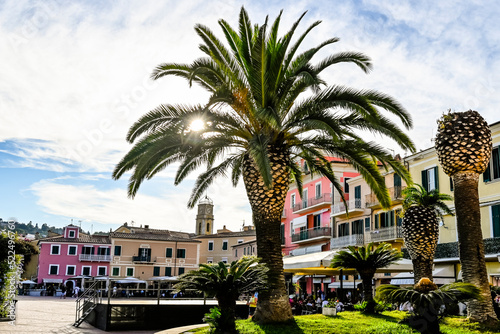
[[330, 309]]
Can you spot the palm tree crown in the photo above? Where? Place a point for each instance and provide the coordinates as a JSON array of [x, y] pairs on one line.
[[366, 257], [416, 195]]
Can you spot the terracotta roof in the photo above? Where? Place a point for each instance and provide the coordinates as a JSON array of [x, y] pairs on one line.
[[227, 234], [143, 230], [83, 238], [172, 236]]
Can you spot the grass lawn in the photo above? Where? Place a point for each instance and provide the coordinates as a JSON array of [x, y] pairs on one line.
[[353, 323]]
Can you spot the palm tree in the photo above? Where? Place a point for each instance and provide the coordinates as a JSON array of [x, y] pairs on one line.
[[463, 144], [366, 261], [420, 226], [257, 123], [427, 301], [226, 283]]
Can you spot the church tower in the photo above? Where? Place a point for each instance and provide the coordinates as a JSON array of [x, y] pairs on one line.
[[205, 217]]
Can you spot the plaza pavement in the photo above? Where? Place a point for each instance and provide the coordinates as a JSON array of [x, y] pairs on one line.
[[53, 315]]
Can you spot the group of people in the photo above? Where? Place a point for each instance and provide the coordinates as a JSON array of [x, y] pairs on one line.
[[74, 293]]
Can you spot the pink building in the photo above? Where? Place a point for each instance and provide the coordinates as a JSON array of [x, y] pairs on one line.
[[73, 254]]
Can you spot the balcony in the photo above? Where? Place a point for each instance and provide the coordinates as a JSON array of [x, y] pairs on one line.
[[353, 206], [95, 258], [384, 234], [395, 193], [347, 240], [141, 258], [312, 234], [309, 204]]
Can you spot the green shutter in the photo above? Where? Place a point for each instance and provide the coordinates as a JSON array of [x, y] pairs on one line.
[[487, 174], [495, 217], [156, 271], [376, 221], [169, 252], [367, 224], [424, 180], [495, 156], [436, 178], [168, 271], [451, 184], [397, 180], [392, 218]]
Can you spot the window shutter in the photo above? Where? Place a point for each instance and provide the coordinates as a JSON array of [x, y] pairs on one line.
[[376, 221], [169, 252], [436, 178], [424, 180], [168, 271], [392, 218], [487, 174], [495, 217], [367, 224]]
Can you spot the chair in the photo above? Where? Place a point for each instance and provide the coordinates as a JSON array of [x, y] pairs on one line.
[[307, 310]]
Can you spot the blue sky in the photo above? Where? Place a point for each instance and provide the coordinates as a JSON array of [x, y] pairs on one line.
[[75, 76]]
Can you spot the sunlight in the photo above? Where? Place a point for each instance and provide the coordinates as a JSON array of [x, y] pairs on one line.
[[197, 125]]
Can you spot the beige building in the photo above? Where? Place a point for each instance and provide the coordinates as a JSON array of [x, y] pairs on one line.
[[247, 248], [217, 247], [144, 253]]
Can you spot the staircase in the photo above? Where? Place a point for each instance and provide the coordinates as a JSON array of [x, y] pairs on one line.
[[87, 302]]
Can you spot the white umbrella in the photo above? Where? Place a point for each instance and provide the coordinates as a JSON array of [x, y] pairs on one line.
[[164, 278], [28, 282]]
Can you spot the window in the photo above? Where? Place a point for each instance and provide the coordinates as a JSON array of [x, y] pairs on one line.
[[86, 270], [181, 253], [317, 222], [306, 168], [495, 219], [249, 250], [118, 250], [210, 260], [71, 234], [357, 227], [282, 234], [210, 246], [72, 249], [318, 190], [386, 219], [430, 179], [55, 249], [168, 271], [292, 201], [130, 272], [181, 270], [236, 252], [103, 251], [367, 224], [224, 259], [240, 241], [357, 197], [346, 185], [115, 271], [54, 269], [156, 271], [101, 271], [87, 250], [387, 274], [70, 270], [399, 219], [305, 196], [168, 253], [493, 170], [244, 251], [343, 229], [224, 245]]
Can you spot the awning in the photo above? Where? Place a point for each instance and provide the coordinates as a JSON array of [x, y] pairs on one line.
[[442, 275], [28, 282], [299, 222], [306, 250], [164, 278], [345, 285], [319, 259], [130, 281], [52, 280], [296, 278]]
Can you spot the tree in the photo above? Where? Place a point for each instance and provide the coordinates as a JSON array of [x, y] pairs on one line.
[[420, 226], [257, 123], [427, 301], [463, 144], [366, 261], [226, 283]]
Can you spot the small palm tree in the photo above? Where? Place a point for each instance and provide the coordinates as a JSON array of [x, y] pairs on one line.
[[366, 261], [420, 226], [226, 282], [427, 301]]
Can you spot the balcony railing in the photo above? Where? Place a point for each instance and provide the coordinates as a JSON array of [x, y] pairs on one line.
[[313, 202], [385, 234], [348, 240], [312, 233], [395, 193], [352, 204], [97, 258], [141, 258]]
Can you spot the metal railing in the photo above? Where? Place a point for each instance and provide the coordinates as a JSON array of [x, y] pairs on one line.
[[141, 258], [348, 240], [312, 233], [352, 204], [325, 198], [385, 234], [87, 302], [92, 257], [395, 193]]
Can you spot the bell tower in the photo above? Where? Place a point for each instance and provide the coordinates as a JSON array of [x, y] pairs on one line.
[[205, 217]]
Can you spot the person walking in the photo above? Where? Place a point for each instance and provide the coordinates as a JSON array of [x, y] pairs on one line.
[[63, 292]]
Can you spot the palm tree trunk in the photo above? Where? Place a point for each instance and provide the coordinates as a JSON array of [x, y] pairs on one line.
[[470, 243], [422, 268], [368, 292], [267, 206], [227, 305]]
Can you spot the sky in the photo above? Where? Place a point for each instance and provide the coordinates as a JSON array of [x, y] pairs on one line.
[[74, 76]]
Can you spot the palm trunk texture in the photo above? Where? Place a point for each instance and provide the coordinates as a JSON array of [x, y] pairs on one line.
[[267, 206], [422, 268], [227, 308], [470, 244]]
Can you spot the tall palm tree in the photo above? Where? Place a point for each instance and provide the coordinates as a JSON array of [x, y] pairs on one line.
[[463, 144], [257, 123], [226, 282], [422, 209], [366, 260], [427, 300]]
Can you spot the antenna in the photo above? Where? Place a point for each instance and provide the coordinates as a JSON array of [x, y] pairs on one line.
[[243, 226]]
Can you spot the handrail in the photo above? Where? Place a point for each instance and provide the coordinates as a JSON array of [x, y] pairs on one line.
[[91, 295]]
